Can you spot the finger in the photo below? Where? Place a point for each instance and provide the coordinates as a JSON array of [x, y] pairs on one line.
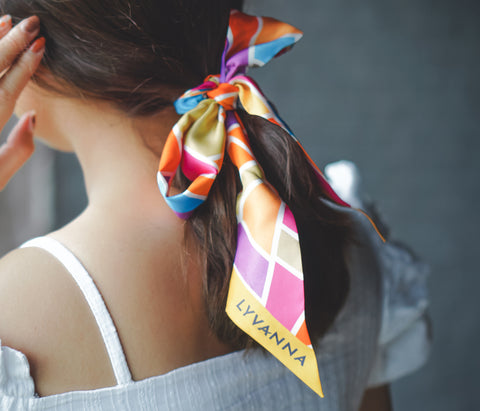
[[17, 149], [16, 41], [18, 75], [5, 25], [11, 46]]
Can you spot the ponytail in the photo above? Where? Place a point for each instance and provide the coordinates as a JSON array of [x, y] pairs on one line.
[[323, 231]]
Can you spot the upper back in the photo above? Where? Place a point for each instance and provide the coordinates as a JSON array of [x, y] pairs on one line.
[[153, 295]]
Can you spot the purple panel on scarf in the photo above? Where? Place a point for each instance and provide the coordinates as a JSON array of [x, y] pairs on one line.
[[250, 264], [236, 65], [183, 216], [230, 120]]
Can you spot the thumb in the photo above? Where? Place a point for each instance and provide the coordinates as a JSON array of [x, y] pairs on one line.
[[18, 148]]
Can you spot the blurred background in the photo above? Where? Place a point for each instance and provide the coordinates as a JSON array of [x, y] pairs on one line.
[[394, 87]]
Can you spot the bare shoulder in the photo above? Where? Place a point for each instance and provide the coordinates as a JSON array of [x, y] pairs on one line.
[[44, 316], [23, 277], [30, 284], [19, 260], [24, 269]]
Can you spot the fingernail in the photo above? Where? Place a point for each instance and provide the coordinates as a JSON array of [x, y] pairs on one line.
[[32, 121], [31, 24], [5, 21], [38, 45]]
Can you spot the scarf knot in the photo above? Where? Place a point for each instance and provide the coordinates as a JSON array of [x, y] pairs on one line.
[[224, 94]]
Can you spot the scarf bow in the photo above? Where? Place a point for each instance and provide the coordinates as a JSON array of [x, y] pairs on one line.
[[266, 294]]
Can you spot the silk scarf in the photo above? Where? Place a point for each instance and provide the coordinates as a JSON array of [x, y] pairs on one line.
[[266, 291]]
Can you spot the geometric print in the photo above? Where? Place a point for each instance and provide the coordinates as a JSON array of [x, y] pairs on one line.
[[266, 291], [276, 280]]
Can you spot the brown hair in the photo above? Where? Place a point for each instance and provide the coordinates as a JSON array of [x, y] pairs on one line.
[[138, 55]]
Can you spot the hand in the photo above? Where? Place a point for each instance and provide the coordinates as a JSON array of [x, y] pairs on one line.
[[20, 55]]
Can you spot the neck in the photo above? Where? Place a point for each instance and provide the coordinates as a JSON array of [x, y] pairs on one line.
[[119, 155]]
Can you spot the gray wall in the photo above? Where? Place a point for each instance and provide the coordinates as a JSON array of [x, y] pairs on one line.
[[26, 204], [394, 87]]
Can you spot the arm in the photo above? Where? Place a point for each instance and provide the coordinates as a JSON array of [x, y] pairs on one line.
[[377, 399]]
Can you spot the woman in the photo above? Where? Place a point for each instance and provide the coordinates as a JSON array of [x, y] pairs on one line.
[[104, 86]]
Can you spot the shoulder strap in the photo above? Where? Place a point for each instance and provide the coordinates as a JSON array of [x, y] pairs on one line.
[[94, 300]]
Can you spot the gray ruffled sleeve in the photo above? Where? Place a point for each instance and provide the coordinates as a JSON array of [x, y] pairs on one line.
[[404, 337]]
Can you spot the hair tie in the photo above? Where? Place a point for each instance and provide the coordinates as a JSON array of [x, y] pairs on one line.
[[266, 294]]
